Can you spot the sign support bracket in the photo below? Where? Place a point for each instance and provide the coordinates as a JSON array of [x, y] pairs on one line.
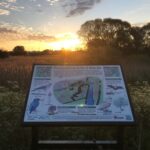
[[38, 144]]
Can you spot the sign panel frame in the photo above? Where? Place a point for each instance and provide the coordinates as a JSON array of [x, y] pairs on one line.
[[84, 97]]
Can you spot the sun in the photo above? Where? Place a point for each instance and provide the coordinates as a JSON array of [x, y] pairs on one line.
[[69, 44], [67, 41]]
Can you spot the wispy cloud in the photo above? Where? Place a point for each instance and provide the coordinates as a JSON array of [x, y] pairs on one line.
[[41, 37], [18, 32], [74, 7], [16, 8], [4, 30], [77, 7], [6, 6], [140, 24], [11, 1], [13, 32], [52, 2], [4, 12]]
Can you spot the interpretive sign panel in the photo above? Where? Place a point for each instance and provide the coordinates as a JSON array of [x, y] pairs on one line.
[[77, 94]]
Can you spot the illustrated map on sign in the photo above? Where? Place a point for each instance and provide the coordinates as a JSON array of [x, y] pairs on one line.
[[86, 91], [73, 93]]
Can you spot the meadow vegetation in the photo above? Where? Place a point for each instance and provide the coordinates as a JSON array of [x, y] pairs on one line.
[[108, 41], [15, 73]]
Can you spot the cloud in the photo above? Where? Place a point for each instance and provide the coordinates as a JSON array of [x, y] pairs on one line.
[[77, 7], [33, 0], [5, 30], [13, 32], [6, 6], [11, 1], [16, 8], [18, 32], [41, 37], [52, 2], [140, 24], [4, 12]]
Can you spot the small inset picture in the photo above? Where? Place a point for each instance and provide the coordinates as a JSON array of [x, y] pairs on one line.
[[111, 71], [52, 110], [42, 71]]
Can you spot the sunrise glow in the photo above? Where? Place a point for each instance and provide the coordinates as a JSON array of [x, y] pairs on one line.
[[54, 24], [67, 43]]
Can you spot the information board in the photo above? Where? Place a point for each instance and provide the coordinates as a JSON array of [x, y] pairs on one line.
[[77, 94]]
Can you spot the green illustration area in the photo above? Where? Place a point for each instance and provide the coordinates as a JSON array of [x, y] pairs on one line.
[[84, 91]]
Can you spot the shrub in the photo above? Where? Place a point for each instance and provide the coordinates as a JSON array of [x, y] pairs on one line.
[[3, 54]]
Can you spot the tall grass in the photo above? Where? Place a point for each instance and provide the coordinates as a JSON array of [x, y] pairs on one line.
[[136, 68]]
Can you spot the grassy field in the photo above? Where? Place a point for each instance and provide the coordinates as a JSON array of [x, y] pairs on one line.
[[15, 75], [136, 67]]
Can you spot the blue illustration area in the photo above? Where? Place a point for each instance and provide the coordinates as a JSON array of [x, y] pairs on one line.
[[90, 100], [34, 104]]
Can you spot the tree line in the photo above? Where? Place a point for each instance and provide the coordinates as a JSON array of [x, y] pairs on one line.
[[104, 36], [115, 34], [20, 51]]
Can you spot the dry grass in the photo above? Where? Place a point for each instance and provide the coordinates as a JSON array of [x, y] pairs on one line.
[[18, 68]]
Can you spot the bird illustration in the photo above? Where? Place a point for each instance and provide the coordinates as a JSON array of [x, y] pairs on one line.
[[34, 104], [105, 106], [115, 87], [43, 87]]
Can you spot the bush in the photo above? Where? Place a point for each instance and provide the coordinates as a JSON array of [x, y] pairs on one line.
[[3, 54], [19, 50]]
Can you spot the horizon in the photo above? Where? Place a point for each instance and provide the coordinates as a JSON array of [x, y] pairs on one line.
[[53, 24]]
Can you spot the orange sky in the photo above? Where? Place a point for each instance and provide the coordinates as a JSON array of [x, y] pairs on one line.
[[53, 24], [68, 41]]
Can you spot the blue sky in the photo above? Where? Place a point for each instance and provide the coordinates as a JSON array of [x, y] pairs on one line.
[[36, 20]]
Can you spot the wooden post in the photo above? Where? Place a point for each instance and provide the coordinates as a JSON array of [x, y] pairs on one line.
[[120, 145], [34, 142]]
